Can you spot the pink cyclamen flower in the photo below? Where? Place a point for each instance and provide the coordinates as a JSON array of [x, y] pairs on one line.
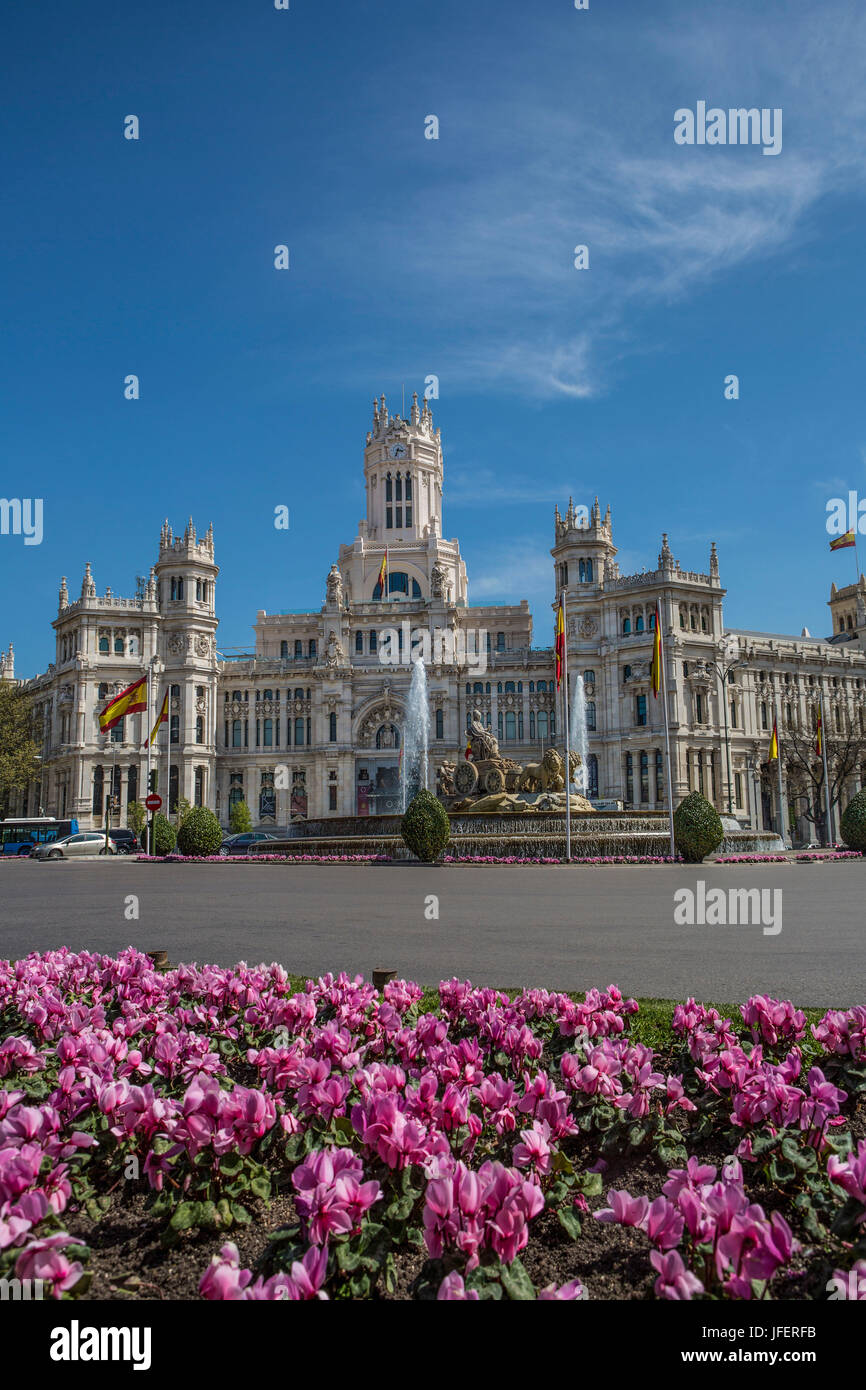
[[624, 1209], [675, 1281], [453, 1290]]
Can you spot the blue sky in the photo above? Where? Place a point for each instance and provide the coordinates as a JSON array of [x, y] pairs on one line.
[[411, 257]]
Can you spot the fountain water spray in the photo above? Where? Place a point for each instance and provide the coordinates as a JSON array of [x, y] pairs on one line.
[[577, 734], [416, 736]]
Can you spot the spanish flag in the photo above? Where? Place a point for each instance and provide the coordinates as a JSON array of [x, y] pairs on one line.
[[656, 671], [382, 581], [559, 646], [819, 737], [774, 743], [162, 718], [843, 542], [129, 701], [468, 753]]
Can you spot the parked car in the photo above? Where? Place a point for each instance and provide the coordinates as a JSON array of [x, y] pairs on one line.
[[76, 846], [240, 844], [126, 841]]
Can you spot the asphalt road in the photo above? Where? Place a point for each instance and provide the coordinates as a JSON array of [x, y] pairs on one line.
[[563, 928]]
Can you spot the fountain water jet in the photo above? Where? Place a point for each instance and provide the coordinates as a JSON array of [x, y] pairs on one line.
[[416, 736], [577, 734]]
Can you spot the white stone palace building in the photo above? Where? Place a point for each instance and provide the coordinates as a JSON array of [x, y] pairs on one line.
[[310, 723]]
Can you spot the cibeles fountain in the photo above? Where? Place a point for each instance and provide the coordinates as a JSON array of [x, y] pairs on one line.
[[498, 808]]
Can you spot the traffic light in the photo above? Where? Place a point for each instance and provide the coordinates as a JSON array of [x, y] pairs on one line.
[[152, 779]]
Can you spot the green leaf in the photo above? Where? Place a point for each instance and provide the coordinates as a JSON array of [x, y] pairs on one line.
[[516, 1282], [261, 1188], [343, 1125], [569, 1222], [224, 1212], [347, 1258], [185, 1215], [591, 1184], [240, 1214], [231, 1164]]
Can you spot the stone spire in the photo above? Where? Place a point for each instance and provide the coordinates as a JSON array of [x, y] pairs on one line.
[[63, 596], [7, 664], [714, 560], [415, 412]]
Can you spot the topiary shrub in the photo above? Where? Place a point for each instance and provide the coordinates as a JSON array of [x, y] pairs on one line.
[[425, 827], [697, 828], [199, 833], [853, 824], [164, 835]]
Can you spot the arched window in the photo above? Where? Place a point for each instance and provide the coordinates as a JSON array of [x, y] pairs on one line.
[[531, 687], [388, 736], [468, 688], [104, 646], [98, 784], [199, 729], [589, 571], [332, 727], [198, 590], [541, 687], [652, 620], [299, 694], [589, 678], [638, 627], [389, 488], [509, 687], [175, 692], [478, 688], [487, 688], [592, 775], [180, 588], [118, 646], [267, 694], [520, 687], [359, 643], [581, 571], [440, 724], [626, 626], [499, 687], [269, 733]]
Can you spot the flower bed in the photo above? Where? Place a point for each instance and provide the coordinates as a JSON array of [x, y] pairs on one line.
[[578, 859], [333, 1141], [263, 858]]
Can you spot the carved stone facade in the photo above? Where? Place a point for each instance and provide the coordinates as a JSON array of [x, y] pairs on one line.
[[310, 722]]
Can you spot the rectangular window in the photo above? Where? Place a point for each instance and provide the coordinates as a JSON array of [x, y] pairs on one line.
[[640, 710], [629, 778], [332, 798], [408, 516], [389, 517], [738, 788], [399, 517]]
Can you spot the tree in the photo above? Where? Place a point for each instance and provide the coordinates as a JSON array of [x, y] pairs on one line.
[[136, 817], [425, 827], [805, 770], [19, 747], [697, 828], [240, 818], [199, 832], [183, 809], [853, 827], [163, 834]]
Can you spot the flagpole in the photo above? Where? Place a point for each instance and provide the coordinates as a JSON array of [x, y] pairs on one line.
[[148, 836], [782, 833], [831, 831], [567, 735], [664, 686]]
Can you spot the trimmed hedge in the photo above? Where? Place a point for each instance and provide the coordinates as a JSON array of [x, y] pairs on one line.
[[425, 827], [697, 828], [164, 836], [853, 824], [199, 833]]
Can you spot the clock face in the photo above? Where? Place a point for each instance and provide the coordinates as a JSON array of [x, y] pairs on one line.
[[397, 451]]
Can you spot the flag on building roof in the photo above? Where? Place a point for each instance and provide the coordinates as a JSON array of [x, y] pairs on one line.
[[843, 542], [383, 575]]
